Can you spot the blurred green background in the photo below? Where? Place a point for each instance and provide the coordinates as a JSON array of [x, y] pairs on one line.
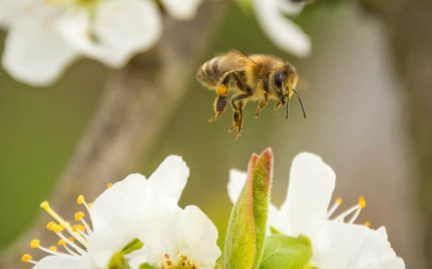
[[354, 123]]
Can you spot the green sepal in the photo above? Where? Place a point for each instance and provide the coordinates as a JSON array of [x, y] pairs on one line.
[[247, 225], [118, 261], [132, 246], [286, 252]]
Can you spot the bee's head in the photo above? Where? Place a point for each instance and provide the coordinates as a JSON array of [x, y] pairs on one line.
[[285, 82]]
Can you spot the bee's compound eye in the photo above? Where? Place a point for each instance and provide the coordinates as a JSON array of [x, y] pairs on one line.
[[278, 79]]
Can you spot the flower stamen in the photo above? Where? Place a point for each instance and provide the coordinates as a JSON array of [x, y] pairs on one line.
[[58, 230], [79, 216], [63, 243], [82, 240], [357, 209], [28, 259], [53, 251], [335, 206]]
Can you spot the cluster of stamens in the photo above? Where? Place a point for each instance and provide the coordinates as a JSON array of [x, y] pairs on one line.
[[182, 263], [354, 211], [74, 239]]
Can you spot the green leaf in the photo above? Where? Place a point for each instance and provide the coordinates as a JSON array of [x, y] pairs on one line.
[[146, 266], [247, 226], [286, 252], [132, 246], [118, 261]]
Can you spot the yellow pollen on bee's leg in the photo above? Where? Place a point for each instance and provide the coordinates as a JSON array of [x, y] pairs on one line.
[[28, 259], [45, 205]]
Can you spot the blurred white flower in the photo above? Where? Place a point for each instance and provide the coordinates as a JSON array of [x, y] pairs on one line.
[[337, 243], [135, 208], [281, 30], [46, 36]]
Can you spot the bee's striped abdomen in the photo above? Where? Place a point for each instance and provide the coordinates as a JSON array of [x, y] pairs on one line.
[[210, 73]]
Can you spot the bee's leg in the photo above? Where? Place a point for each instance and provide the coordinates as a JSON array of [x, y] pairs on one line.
[[278, 105], [262, 105], [220, 102], [222, 94], [238, 105], [263, 102]]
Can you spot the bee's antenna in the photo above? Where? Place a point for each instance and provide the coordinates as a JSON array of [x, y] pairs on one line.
[[301, 103], [287, 113]]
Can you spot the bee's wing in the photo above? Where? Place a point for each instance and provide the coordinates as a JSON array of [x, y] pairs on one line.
[[240, 55]]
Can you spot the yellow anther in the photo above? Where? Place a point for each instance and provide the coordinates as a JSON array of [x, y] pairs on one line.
[[71, 239], [61, 242], [53, 248], [44, 205], [90, 205], [26, 258], [80, 200], [75, 228], [35, 243], [367, 224], [109, 185], [50, 225], [57, 229], [362, 202], [79, 216], [339, 201]]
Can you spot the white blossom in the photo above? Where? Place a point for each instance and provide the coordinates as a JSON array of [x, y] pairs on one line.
[[337, 242], [284, 33], [46, 36], [135, 208]]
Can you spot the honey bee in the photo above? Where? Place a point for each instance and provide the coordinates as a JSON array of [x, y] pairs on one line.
[[256, 77]]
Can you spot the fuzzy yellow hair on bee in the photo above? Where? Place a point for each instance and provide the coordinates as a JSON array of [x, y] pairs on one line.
[[255, 77]]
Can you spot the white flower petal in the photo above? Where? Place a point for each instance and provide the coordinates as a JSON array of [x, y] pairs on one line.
[[55, 262], [182, 9], [237, 180], [160, 231], [281, 30], [169, 180], [396, 263], [198, 238], [121, 28], [373, 251], [289, 7], [14, 10], [310, 189], [116, 216], [136, 258], [337, 243], [35, 53]]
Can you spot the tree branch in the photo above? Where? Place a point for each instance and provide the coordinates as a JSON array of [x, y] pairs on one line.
[[135, 104], [408, 23]]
